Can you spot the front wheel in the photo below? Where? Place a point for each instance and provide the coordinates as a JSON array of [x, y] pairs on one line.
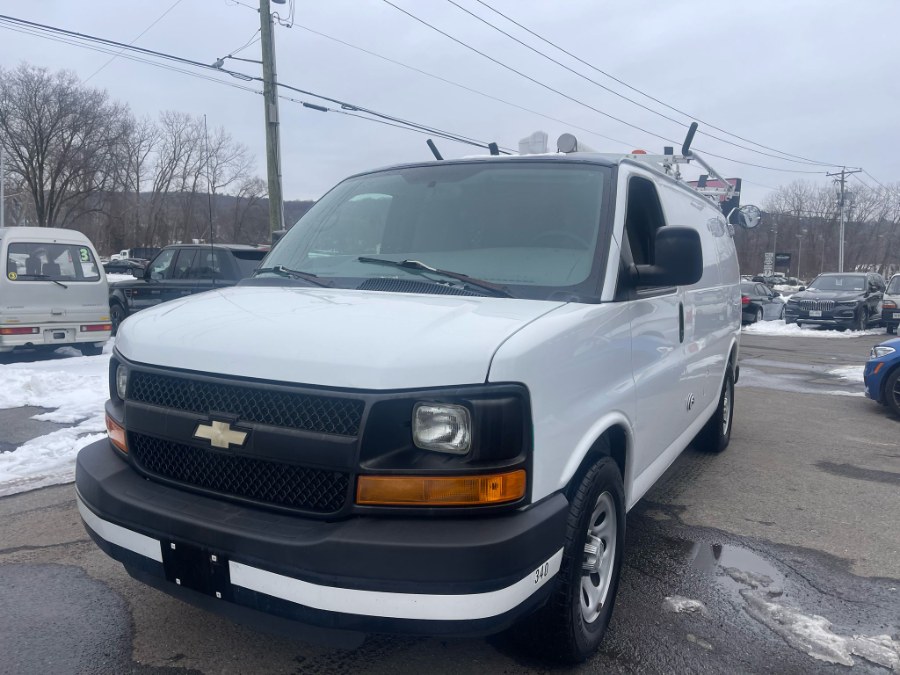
[[891, 329], [574, 620], [892, 392], [716, 434], [117, 315], [90, 349], [758, 316], [862, 320]]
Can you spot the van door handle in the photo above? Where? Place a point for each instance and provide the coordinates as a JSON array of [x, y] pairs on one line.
[[680, 322]]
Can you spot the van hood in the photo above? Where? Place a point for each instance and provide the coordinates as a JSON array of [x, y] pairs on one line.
[[331, 337]]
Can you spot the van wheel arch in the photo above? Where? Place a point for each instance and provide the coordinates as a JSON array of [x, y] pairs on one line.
[[613, 442]]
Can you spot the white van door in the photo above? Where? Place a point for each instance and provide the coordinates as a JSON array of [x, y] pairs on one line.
[[657, 328]]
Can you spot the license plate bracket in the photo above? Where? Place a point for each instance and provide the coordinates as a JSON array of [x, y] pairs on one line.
[[815, 313], [197, 568]]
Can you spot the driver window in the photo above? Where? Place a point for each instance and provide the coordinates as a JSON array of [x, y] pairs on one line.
[[643, 217], [159, 268]]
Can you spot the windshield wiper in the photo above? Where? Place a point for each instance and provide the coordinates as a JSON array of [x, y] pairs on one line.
[[420, 267], [283, 271], [47, 277]]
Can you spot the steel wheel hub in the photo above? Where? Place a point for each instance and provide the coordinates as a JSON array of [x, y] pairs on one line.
[[598, 558]]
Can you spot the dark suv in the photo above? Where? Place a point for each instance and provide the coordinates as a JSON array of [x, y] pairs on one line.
[[181, 270], [843, 300]]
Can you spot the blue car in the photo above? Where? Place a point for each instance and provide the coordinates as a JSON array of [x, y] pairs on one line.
[[882, 375]]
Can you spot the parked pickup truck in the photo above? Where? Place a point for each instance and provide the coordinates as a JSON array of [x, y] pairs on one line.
[[181, 270]]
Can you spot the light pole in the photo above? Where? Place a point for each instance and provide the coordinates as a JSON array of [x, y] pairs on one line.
[[799, 252]]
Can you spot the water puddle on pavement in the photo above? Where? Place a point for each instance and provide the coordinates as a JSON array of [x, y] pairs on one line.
[[758, 586]]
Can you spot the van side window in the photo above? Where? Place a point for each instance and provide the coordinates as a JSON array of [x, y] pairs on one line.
[[643, 217]]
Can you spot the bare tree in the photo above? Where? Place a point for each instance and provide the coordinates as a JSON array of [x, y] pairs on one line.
[[60, 138]]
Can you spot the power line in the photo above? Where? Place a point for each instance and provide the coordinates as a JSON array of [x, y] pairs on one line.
[[129, 57], [876, 180], [77, 39], [669, 118], [645, 94], [461, 86], [139, 36], [575, 100]]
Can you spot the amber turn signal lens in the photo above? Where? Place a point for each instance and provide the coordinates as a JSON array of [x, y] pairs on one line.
[[440, 490], [116, 434]]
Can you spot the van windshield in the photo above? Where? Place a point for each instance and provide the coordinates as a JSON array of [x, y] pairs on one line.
[[42, 261], [894, 286], [532, 227]]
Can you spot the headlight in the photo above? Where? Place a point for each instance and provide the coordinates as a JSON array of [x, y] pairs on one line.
[[122, 381], [792, 300], [879, 351], [442, 427]]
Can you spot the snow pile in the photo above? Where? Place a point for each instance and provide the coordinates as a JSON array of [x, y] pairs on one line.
[[76, 389], [812, 634], [780, 328], [113, 278], [850, 373], [682, 605]]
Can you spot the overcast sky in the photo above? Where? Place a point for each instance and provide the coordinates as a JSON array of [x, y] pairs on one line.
[[814, 78]]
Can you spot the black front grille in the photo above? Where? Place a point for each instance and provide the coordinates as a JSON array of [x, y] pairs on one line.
[[324, 414], [274, 483], [820, 305]]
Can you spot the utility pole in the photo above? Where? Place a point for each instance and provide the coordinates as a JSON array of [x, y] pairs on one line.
[[270, 98], [843, 173], [2, 188], [799, 252]]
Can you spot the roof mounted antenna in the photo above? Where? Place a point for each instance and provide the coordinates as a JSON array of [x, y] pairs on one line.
[[686, 146], [434, 150]]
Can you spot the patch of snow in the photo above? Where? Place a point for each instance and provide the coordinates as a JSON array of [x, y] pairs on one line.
[[850, 373], [679, 604], [76, 390], [813, 635], [781, 329], [699, 642], [112, 278]]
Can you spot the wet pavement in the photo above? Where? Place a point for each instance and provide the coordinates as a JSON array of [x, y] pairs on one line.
[[780, 555]]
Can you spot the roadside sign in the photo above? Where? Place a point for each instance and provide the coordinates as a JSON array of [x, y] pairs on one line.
[[769, 263]]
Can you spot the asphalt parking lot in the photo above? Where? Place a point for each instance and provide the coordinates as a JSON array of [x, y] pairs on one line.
[[780, 555]]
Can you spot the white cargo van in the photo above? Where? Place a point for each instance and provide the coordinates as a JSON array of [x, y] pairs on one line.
[[431, 408], [53, 292]]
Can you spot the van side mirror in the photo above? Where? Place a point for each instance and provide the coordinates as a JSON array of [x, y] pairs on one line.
[[679, 259], [139, 272]]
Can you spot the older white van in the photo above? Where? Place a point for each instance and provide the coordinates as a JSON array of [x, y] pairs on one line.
[[433, 404], [53, 292]]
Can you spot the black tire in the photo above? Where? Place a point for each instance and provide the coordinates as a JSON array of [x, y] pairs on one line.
[[892, 392], [117, 314], [892, 329], [90, 349], [559, 630], [715, 436], [862, 320], [781, 313], [758, 316]]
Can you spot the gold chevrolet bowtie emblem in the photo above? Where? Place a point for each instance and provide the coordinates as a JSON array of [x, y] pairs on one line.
[[220, 434]]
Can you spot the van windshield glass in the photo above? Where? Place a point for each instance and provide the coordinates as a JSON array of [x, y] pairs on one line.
[[532, 225], [42, 261], [893, 287], [839, 282]]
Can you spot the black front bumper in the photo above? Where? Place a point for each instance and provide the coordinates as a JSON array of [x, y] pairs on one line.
[[473, 575]]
